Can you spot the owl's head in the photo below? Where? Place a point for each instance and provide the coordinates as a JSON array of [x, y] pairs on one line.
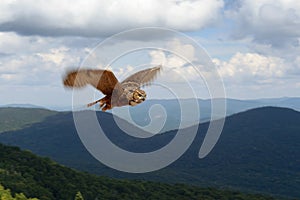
[[138, 96]]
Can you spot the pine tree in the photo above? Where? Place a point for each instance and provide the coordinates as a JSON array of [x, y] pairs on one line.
[[78, 196], [5, 194]]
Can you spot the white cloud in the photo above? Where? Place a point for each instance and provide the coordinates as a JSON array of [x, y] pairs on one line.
[[245, 75], [34, 60], [275, 22], [8, 77], [179, 55], [245, 68], [253, 75], [102, 18], [176, 62], [56, 56]]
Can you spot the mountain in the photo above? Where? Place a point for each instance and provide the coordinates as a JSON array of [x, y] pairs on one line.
[[14, 118], [175, 117], [15, 105], [258, 151], [47, 180], [171, 108]]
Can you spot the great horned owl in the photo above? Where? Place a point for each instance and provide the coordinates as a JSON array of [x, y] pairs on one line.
[[127, 92]]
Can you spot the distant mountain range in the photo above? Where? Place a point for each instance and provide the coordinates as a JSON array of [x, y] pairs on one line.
[[14, 105], [258, 151], [172, 107], [140, 113]]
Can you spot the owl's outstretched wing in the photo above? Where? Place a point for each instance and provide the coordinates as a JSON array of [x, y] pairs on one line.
[[103, 80], [143, 77]]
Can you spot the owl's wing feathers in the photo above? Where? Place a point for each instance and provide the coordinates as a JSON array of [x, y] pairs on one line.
[[103, 80], [144, 77]]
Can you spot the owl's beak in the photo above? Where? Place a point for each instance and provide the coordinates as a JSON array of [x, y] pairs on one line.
[[140, 100]]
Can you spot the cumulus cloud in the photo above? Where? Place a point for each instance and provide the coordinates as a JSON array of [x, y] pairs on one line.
[[179, 54], [56, 56], [101, 18], [34, 60], [35, 69], [178, 76], [249, 68], [176, 62], [175, 68], [272, 22], [253, 75]]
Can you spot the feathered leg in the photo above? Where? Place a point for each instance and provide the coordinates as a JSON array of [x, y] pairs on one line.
[[104, 103]]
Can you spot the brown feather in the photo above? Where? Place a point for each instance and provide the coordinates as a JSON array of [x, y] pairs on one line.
[[103, 80], [143, 77]]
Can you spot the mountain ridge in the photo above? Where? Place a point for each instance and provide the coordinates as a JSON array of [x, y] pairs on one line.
[[257, 148], [15, 118], [174, 117]]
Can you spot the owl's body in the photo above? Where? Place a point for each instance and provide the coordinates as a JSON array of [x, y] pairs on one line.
[[118, 94], [131, 95]]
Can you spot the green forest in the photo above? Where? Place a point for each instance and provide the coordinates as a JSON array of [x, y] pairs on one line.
[[5, 194], [23, 174], [18, 118]]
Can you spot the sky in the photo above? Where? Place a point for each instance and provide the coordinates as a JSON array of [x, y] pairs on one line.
[[253, 46]]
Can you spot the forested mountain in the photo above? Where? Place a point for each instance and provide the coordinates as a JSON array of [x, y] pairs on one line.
[[15, 118], [21, 171], [258, 151]]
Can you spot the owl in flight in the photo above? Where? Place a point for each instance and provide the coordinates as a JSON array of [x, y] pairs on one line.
[[118, 94]]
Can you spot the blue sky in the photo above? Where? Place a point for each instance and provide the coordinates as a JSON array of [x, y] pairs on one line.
[[253, 44]]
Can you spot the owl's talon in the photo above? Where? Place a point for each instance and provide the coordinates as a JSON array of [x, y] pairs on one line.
[[101, 104], [91, 104], [106, 107]]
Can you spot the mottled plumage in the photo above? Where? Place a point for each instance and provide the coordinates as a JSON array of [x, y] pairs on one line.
[[127, 92]]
